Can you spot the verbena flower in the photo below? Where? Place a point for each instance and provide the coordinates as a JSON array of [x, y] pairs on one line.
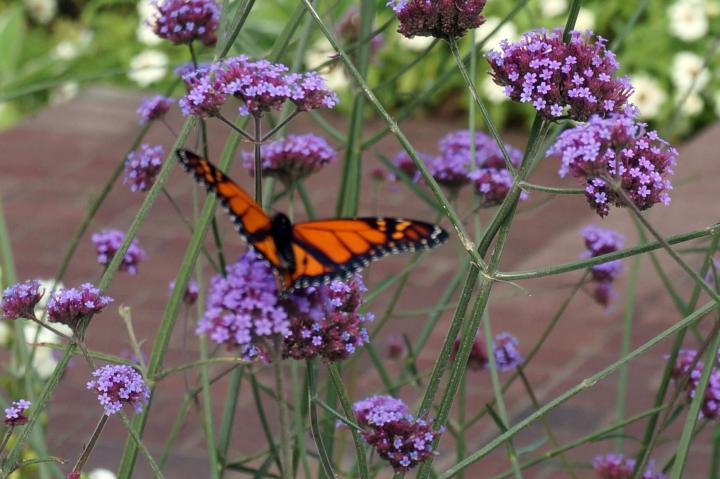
[[710, 407], [507, 355], [404, 163], [600, 241], [262, 86], [191, 293], [293, 157], [617, 152], [15, 414], [570, 80], [243, 309], [142, 167], [19, 300], [107, 243], [117, 385], [478, 358], [617, 466], [68, 306], [154, 108], [437, 18], [325, 321], [398, 437], [184, 21]]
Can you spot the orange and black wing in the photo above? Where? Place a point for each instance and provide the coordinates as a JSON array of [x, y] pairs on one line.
[[249, 218], [329, 249]]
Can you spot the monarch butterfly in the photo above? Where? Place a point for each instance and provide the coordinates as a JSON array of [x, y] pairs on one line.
[[311, 252]]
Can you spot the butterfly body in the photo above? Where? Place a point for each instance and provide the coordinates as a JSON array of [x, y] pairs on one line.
[[311, 252]]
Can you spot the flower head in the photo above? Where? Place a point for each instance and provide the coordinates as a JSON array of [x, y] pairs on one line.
[[107, 243], [15, 414], [310, 92], [205, 90], [478, 358], [184, 21], [404, 163], [396, 347], [142, 167], [191, 292], [294, 157], [69, 306], [574, 79], [600, 241], [243, 308], [117, 385], [437, 18], [325, 321], [617, 466], [154, 108], [19, 300], [507, 356], [617, 153], [397, 436], [684, 362]]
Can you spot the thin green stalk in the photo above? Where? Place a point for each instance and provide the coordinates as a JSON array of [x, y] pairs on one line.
[[264, 422], [551, 189], [592, 437], [80, 464], [336, 379], [623, 253], [229, 409], [325, 460], [470, 84], [625, 346], [283, 416], [546, 423], [237, 24], [299, 398], [578, 388], [715, 454], [212, 451], [694, 409]]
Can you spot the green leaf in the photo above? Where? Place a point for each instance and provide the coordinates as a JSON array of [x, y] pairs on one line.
[[12, 33]]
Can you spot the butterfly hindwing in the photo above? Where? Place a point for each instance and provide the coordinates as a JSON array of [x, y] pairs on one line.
[[249, 218], [328, 249]]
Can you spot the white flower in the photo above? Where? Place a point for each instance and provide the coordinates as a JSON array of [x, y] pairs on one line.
[[44, 361], [648, 95], [148, 67], [416, 44], [64, 92], [101, 473], [146, 9], [71, 48], [42, 10], [492, 91], [585, 20], [507, 32], [146, 35], [688, 20], [692, 105], [688, 71], [553, 8]]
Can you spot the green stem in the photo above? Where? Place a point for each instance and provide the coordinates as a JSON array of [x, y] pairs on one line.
[[325, 460], [283, 416], [215, 467], [80, 464], [551, 189], [625, 347], [336, 380]]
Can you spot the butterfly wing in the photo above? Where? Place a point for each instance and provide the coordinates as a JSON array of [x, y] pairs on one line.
[[336, 248], [249, 218]]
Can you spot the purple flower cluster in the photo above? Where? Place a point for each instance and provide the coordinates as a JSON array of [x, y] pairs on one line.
[[243, 307], [507, 355], [454, 167], [107, 243], [293, 157], [613, 154], [397, 436], [19, 300], [15, 414], [325, 321], [117, 385], [437, 18], [262, 86], [184, 21], [69, 306], [191, 292], [710, 408], [570, 80], [478, 358], [617, 466], [154, 108], [599, 241], [142, 167]]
